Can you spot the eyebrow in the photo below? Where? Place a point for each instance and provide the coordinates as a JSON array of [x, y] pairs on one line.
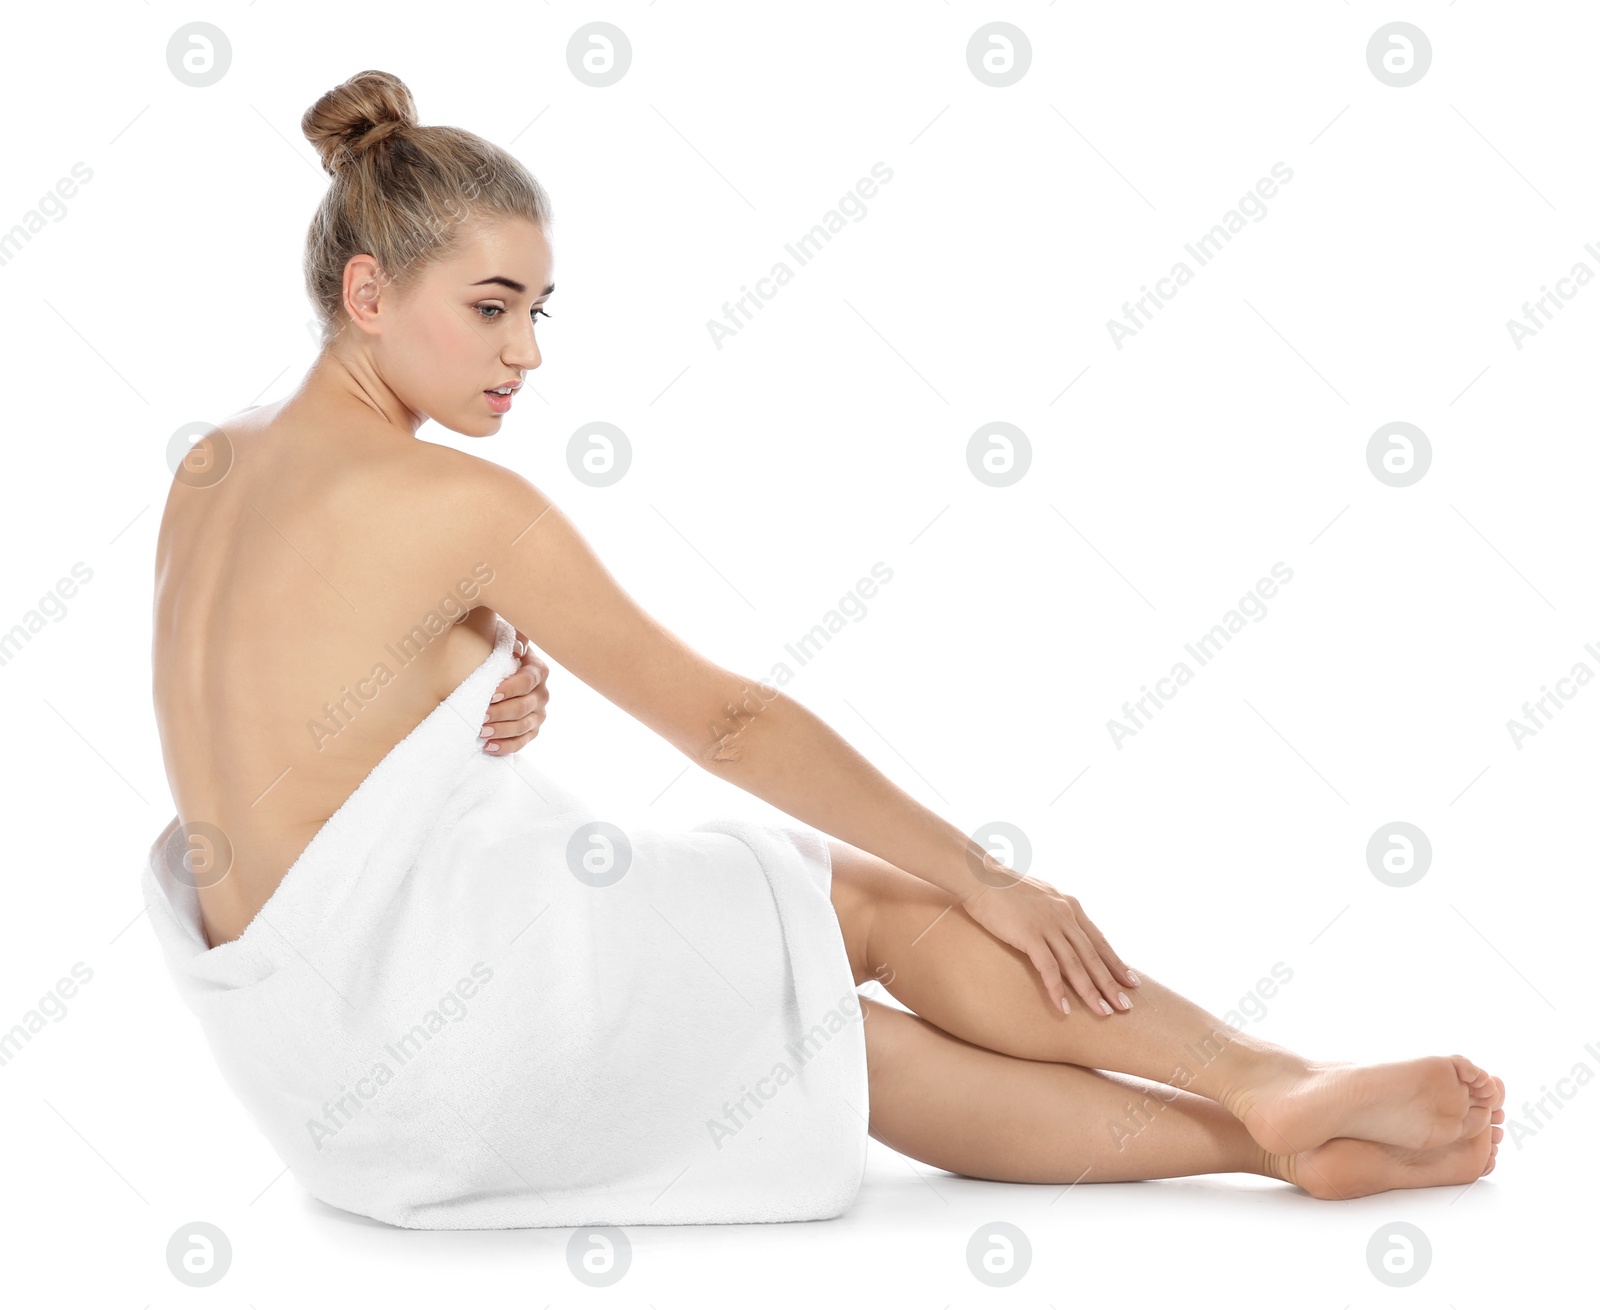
[[516, 286]]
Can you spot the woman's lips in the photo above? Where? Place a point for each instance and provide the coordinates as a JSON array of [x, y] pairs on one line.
[[498, 403]]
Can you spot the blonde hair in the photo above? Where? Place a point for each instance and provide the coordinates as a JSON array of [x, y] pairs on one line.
[[400, 192]]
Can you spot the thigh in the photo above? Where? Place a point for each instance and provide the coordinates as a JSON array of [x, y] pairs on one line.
[[862, 885]]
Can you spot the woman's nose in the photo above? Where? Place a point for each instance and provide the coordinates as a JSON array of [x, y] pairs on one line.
[[524, 352]]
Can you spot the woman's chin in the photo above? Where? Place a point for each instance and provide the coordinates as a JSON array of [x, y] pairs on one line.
[[477, 426]]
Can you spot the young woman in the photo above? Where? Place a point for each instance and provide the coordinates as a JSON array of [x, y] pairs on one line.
[[303, 535]]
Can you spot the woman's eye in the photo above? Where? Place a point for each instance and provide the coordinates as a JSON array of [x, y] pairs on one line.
[[493, 312]]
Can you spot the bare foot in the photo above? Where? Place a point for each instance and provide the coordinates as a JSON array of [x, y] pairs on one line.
[[1347, 1167], [1418, 1104]]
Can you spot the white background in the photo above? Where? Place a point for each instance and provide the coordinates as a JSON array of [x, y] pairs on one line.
[[770, 475]]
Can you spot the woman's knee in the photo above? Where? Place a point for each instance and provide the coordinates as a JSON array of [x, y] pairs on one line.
[[892, 1041], [854, 901], [889, 907], [868, 891], [918, 1080]]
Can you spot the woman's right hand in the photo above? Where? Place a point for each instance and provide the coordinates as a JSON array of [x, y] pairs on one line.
[[1052, 930]]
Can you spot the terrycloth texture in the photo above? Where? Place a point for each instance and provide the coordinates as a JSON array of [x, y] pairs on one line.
[[461, 1009]]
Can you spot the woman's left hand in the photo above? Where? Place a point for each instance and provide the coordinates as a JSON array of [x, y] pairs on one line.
[[516, 711]]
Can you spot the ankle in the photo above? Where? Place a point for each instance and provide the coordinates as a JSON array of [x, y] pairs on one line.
[[1268, 1165], [1276, 1064], [1257, 1072]]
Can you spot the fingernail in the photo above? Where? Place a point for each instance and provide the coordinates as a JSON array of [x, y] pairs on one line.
[[1105, 1005], [492, 746], [1135, 977], [1065, 1008], [498, 696], [487, 731], [1122, 997]]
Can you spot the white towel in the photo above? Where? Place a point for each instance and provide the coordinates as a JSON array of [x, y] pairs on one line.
[[461, 1008]]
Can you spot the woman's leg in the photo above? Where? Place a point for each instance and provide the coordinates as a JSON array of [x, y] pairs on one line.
[[976, 1112], [910, 936]]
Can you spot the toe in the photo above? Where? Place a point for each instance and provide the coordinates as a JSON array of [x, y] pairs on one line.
[[1485, 1090]]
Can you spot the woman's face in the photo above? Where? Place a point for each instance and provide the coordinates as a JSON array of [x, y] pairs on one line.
[[465, 327]]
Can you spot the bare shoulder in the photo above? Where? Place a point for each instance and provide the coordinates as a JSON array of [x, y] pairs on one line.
[[487, 490], [469, 482], [535, 568], [472, 516], [481, 505]]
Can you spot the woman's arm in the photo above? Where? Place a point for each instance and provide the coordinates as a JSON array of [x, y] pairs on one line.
[[549, 583], [775, 748]]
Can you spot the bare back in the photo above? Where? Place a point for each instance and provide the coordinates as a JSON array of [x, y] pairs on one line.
[[304, 625]]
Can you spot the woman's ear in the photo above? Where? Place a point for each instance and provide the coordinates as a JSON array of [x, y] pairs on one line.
[[361, 291]]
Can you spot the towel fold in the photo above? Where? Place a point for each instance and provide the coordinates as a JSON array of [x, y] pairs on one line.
[[474, 1003]]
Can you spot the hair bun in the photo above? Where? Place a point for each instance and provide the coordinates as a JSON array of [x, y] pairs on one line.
[[357, 114]]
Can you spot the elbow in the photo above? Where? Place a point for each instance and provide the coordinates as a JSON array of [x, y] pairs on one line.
[[740, 718]]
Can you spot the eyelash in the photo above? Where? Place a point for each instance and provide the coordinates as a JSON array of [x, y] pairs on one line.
[[500, 309]]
